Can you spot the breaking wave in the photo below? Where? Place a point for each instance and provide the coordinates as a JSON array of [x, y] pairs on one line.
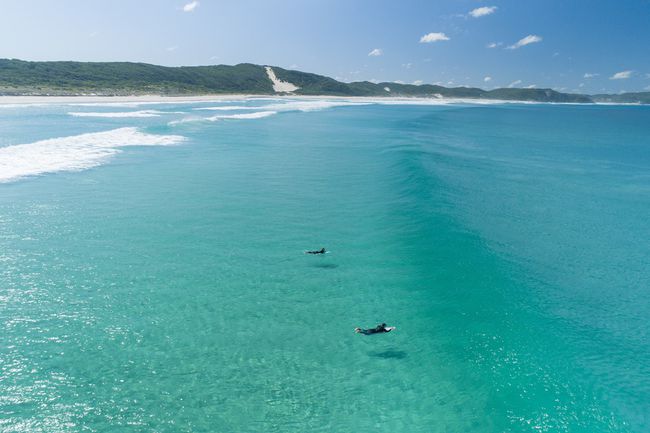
[[141, 113], [74, 153], [255, 115]]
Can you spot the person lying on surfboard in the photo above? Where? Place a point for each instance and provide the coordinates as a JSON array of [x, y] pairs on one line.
[[321, 251], [379, 329]]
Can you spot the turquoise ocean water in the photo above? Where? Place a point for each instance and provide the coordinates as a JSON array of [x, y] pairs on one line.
[[152, 275]]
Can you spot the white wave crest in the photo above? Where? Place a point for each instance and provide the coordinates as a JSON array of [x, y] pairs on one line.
[[314, 105], [74, 153], [141, 113], [287, 105], [255, 115], [227, 108]]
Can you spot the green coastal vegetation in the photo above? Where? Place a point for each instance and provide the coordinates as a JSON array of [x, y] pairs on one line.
[[19, 77]]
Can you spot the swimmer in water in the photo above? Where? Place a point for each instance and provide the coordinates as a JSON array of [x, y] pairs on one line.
[[379, 329], [321, 251]]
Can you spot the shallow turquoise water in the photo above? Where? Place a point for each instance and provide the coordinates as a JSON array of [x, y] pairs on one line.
[[164, 289]]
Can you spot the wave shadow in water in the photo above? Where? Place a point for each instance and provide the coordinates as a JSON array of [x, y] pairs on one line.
[[326, 265], [389, 354]]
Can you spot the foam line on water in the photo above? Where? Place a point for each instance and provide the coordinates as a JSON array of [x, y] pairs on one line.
[[255, 115], [270, 109], [120, 114], [73, 153], [227, 108], [312, 105]]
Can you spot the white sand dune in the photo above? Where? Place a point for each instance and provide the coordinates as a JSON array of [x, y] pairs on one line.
[[278, 85]]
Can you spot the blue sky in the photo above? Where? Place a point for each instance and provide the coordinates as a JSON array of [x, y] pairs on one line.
[[570, 45]]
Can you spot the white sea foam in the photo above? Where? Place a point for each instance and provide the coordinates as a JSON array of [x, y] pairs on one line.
[[74, 153], [255, 115], [312, 105], [141, 113], [287, 105], [227, 108], [271, 109]]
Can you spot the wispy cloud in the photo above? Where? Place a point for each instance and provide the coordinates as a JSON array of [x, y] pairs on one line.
[[407, 65], [494, 44], [530, 39], [589, 75], [531, 86], [514, 83], [190, 6], [623, 75], [172, 48], [418, 82], [376, 52], [486, 79], [482, 11], [433, 37]]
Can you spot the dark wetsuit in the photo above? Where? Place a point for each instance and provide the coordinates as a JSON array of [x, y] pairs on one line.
[[377, 330], [321, 251]]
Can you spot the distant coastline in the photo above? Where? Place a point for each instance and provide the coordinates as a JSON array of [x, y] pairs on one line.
[[24, 79], [167, 99]]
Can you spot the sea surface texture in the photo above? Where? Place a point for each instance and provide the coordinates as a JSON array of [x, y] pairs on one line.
[[152, 275]]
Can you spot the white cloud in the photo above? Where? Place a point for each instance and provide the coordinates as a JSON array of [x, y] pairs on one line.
[[581, 85], [407, 65], [514, 83], [647, 88], [530, 39], [172, 48], [190, 6], [647, 75], [531, 86], [433, 37], [418, 82], [589, 75], [482, 11], [494, 44], [399, 82], [376, 52], [623, 75], [486, 79]]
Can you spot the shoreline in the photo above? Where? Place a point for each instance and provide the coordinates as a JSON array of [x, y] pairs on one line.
[[161, 99]]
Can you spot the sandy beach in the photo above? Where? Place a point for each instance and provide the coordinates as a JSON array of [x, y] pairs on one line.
[[160, 99]]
